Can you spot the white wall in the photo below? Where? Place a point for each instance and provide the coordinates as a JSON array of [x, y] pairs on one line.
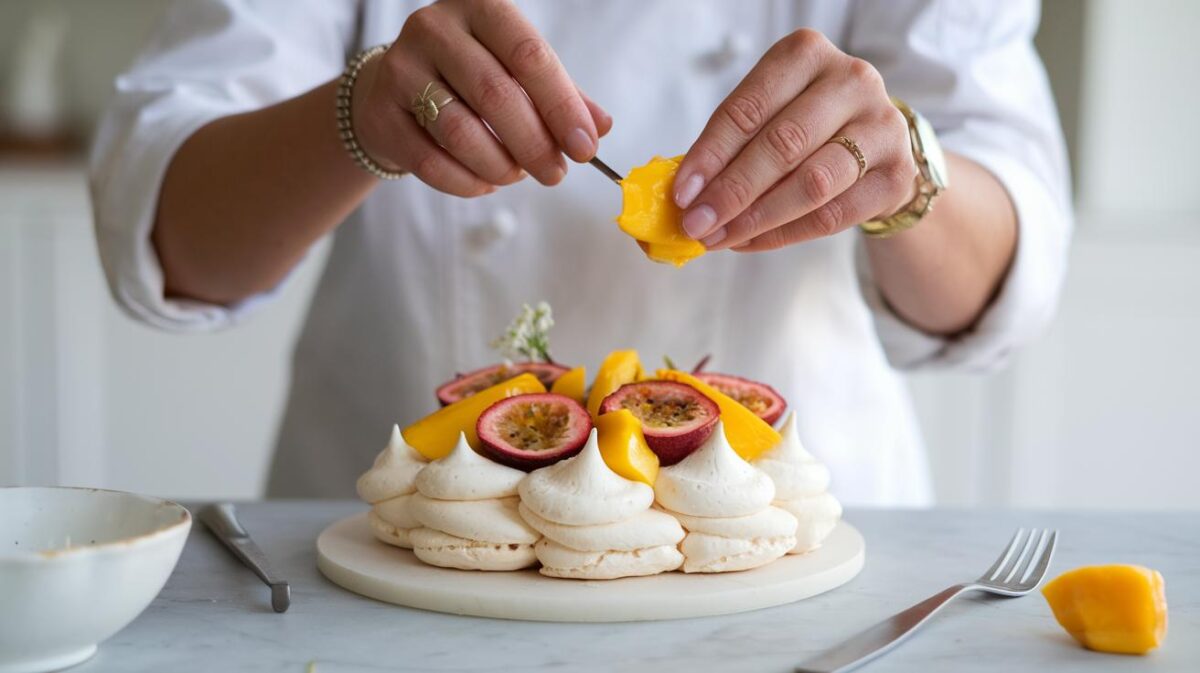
[[89, 397], [1100, 413]]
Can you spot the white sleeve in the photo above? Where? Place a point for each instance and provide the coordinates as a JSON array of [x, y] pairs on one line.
[[970, 67], [208, 59]]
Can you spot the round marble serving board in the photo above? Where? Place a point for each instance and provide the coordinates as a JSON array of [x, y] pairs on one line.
[[349, 555]]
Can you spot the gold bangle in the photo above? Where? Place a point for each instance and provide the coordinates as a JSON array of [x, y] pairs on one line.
[[345, 94]]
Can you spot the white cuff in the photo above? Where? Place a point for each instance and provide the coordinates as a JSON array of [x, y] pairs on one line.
[[125, 202], [1026, 300]]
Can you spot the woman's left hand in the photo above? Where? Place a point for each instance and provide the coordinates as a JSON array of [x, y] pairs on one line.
[[765, 171]]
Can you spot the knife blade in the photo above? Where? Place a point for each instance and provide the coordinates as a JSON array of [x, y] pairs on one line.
[[606, 170], [221, 519]]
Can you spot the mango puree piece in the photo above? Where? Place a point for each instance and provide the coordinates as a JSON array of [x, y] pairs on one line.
[[619, 368], [435, 435], [749, 435], [649, 213], [624, 447], [571, 384], [1111, 608]]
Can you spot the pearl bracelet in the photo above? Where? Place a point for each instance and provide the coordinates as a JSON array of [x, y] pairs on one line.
[[345, 93]]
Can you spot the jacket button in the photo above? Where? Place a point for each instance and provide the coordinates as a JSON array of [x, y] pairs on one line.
[[732, 49], [500, 226]]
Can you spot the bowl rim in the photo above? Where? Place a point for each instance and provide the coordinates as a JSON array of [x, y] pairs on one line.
[[121, 545]]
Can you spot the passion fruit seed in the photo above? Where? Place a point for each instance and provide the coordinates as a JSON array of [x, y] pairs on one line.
[[747, 398], [533, 430], [536, 426], [662, 411]]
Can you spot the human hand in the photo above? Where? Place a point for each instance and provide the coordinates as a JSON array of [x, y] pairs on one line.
[[765, 172], [515, 109]]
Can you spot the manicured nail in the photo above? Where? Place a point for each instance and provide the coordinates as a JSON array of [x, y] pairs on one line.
[[715, 237], [699, 220], [688, 191], [580, 145]]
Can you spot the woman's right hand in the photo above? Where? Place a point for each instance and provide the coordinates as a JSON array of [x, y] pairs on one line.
[[515, 109]]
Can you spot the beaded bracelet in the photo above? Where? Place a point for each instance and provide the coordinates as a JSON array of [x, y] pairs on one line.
[[345, 93]]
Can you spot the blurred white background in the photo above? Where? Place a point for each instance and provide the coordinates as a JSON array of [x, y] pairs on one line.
[[1101, 413]]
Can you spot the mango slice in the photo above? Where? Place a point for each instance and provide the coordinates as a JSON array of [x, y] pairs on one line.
[[1111, 608], [435, 435], [624, 447], [619, 368], [571, 384], [650, 216], [668, 253], [749, 435]]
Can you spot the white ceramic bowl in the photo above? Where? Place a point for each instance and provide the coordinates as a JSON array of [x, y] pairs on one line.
[[76, 566]]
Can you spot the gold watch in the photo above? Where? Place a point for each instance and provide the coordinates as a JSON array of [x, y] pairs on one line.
[[931, 176]]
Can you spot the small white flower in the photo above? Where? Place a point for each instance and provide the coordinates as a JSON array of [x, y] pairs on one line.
[[528, 334]]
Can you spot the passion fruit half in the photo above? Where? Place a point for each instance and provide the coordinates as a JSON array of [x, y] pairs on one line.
[[676, 418], [466, 385], [760, 398], [534, 430]]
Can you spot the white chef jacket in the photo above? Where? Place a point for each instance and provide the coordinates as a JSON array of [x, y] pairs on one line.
[[419, 282]]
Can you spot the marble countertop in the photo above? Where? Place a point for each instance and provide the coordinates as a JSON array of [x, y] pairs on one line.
[[214, 615]]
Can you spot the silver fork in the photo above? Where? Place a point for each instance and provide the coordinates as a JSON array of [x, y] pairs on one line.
[[1017, 572]]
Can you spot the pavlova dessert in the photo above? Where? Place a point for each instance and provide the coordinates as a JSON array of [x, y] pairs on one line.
[[526, 466]]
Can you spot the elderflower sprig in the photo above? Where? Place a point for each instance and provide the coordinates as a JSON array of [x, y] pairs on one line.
[[528, 335]]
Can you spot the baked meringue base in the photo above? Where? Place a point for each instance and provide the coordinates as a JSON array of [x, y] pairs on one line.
[[447, 551], [816, 516], [564, 562], [648, 528], [705, 553], [386, 532], [396, 512], [494, 520]]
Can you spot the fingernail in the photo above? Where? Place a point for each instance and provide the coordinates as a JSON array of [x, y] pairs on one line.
[[580, 145], [715, 237], [688, 191], [699, 220]]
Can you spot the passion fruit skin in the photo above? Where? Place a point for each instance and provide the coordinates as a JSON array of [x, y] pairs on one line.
[[762, 399], [534, 430], [463, 386], [676, 418]]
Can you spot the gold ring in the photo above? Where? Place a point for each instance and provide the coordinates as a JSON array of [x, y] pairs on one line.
[[858, 155], [429, 103]]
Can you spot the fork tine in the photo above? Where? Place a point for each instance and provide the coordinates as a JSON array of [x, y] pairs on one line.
[[1012, 544], [1010, 570], [1027, 562], [1034, 577]]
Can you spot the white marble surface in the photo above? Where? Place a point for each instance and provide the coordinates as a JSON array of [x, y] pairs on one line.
[[214, 615]]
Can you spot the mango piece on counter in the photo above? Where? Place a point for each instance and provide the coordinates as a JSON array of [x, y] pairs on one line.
[[571, 384], [749, 435], [649, 213], [624, 448], [1111, 608], [435, 435], [618, 368]]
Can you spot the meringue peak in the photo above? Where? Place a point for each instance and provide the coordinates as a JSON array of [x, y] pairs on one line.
[[465, 475], [583, 490], [714, 481], [393, 472], [789, 449], [795, 471]]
